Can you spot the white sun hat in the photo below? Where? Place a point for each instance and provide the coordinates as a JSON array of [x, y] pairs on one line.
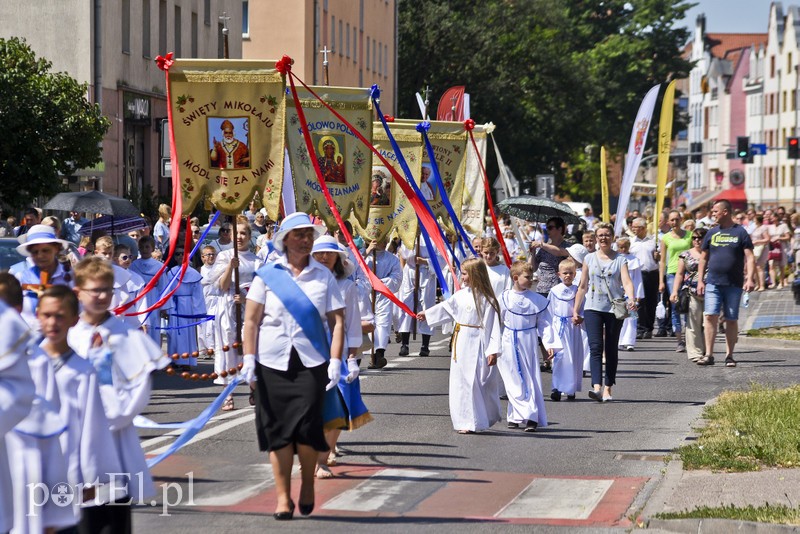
[[296, 221], [39, 234], [578, 252], [328, 243]]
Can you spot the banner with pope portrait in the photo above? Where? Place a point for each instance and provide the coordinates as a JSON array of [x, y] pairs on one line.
[[449, 141], [228, 126], [389, 208], [343, 160]]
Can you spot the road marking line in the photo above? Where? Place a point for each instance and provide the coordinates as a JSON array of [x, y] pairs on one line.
[[178, 431], [553, 498], [385, 486], [205, 434]]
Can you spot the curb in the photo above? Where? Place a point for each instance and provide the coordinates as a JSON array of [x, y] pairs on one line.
[[767, 343]]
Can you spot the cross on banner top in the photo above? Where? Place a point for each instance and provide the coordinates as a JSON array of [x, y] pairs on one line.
[[324, 52]]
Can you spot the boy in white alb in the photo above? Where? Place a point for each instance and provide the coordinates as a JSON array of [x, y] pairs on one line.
[[90, 461], [568, 363], [123, 358], [209, 332], [526, 320], [627, 336], [147, 267]]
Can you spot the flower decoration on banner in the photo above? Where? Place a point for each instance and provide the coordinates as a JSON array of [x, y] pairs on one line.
[[182, 101], [469, 125], [362, 123], [358, 161], [284, 65], [165, 62], [389, 118], [293, 120], [302, 156]]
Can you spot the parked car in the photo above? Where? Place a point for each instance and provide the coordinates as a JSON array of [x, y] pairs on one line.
[[8, 253]]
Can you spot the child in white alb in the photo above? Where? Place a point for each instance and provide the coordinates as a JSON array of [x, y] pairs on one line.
[[568, 363], [526, 319], [627, 336]]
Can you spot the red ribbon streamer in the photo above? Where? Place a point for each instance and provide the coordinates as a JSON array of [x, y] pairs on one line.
[[422, 214], [164, 63], [376, 282], [469, 124]]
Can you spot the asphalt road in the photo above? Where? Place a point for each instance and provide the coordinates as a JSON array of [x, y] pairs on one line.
[[590, 470]]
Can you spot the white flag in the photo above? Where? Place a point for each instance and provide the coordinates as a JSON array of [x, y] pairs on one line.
[[634, 157]]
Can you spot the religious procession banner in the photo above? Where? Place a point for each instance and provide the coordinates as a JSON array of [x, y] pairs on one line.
[[473, 208], [389, 208], [343, 159], [228, 120], [449, 141]]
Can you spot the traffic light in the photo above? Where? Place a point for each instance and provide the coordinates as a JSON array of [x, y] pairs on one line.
[[743, 146], [793, 144]]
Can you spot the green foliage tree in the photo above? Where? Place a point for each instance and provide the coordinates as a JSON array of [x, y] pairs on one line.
[[555, 76], [50, 126]]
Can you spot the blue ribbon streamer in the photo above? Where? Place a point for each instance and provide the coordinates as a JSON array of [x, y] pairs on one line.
[[375, 94], [192, 426], [518, 357], [204, 318], [423, 128], [196, 247], [298, 305]]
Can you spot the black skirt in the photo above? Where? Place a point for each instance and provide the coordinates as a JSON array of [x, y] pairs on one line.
[[289, 405]]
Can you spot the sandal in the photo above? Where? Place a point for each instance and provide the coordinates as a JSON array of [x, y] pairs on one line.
[[227, 406], [252, 398], [323, 472]]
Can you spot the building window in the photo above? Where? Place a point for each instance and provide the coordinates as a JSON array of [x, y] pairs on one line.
[[367, 49], [126, 26], [374, 55], [341, 38], [245, 19], [177, 31], [789, 66], [207, 12], [162, 27], [347, 41], [194, 34], [386, 60], [333, 33], [772, 66], [146, 28], [380, 59], [355, 45]]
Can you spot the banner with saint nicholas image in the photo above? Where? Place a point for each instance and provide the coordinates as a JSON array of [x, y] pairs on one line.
[[449, 141], [228, 122], [343, 159], [389, 208]]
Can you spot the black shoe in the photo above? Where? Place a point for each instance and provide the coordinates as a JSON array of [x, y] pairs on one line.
[[286, 516], [424, 351], [531, 426], [306, 509], [648, 335], [595, 395], [640, 335], [706, 360], [380, 361], [570, 397], [729, 361], [660, 333], [404, 350], [555, 395], [513, 425], [503, 397]]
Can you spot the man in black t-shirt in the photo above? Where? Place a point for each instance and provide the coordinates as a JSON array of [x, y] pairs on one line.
[[728, 259]]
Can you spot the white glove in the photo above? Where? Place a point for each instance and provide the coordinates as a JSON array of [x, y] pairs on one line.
[[248, 372], [352, 370], [334, 373]]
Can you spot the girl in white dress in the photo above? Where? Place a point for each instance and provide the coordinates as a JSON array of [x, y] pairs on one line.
[[474, 395], [499, 273], [627, 337], [225, 355]]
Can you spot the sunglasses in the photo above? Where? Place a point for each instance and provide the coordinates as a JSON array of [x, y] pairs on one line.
[[225, 230], [124, 257], [552, 227], [696, 237]]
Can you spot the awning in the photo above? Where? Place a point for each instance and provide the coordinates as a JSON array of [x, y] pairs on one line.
[[700, 199], [733, 196]]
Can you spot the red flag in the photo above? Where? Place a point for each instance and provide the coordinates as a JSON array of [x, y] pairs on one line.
[[453, 97]]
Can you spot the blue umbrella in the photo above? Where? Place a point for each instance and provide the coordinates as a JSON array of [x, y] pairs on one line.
[[113, 225]]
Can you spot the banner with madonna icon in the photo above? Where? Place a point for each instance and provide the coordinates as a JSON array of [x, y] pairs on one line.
[[343, 159], [228, 123], [389, 208], [449, 141]]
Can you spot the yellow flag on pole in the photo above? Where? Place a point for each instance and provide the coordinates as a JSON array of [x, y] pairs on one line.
[[664, 146], [606, 215]]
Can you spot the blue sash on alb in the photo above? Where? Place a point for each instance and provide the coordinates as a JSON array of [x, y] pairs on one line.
[[298, 305]]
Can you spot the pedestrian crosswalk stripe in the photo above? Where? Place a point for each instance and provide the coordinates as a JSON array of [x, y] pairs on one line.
[[557, 498], [388, 490]]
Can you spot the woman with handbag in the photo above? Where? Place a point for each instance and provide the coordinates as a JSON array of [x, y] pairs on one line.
[[607, 287], [685, 298]]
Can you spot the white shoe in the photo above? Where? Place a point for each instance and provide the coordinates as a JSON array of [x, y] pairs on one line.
[[629, 348]]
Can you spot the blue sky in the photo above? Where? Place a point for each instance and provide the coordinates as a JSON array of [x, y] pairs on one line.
[[733, 16]]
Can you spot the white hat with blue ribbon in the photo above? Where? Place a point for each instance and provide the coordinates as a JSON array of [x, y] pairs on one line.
[[328, 243], [296, 221], [39, 234]]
